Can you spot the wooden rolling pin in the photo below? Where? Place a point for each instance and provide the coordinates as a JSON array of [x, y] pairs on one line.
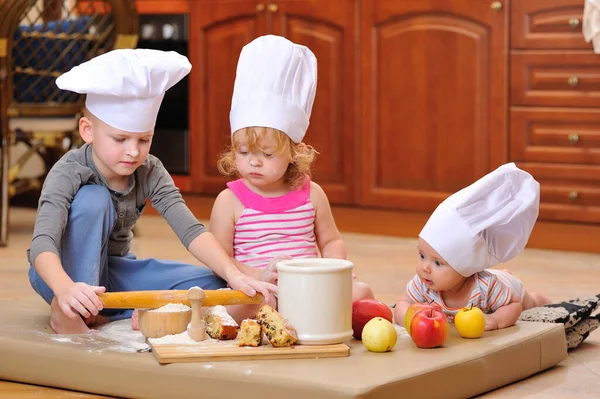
[[156, 299]]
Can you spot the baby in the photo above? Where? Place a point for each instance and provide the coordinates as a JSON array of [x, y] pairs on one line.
[[476, 228]]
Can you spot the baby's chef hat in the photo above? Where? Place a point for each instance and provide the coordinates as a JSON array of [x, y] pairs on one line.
[[275, 86], [125, 87], [487, 223]]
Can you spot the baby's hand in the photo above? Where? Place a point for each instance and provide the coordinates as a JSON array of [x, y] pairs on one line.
[[490, 323], [80, 299]]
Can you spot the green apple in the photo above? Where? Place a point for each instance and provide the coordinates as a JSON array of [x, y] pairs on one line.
[[379, 335]]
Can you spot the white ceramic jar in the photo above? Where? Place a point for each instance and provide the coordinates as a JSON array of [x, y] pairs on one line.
[[315, 296]]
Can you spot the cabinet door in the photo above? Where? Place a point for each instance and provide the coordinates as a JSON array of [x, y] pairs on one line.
[[543, 24], [434, 102], [328, 29], [218, 31]]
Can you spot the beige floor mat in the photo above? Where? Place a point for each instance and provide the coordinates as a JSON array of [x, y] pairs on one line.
[[100, 363]]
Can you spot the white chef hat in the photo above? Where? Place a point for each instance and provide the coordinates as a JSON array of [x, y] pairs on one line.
[[487, 223], [125, 87], [275, 86]]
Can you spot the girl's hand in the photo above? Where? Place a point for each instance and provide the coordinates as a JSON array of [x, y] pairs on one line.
[[250, 286], [80, 299], [269, 273], [490, 322]]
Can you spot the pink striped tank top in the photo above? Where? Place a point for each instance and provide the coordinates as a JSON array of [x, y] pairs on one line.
[[270, 227]]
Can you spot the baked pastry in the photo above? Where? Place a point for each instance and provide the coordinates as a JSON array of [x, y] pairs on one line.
[[219, 324], [276, 328], [250, 333]]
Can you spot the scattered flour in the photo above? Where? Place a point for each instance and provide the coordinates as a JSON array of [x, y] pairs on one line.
[[116, 337], [189, 344], [172, 307], [62, 339], [182, 338]]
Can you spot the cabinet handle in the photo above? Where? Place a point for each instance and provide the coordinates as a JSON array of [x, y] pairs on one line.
[[574, 22], [273, 7], [573, 195], [573, 138], [260, 7], [573, 81], [496, 6]]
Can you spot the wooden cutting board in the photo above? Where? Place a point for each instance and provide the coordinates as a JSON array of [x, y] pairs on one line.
[[179, 353]]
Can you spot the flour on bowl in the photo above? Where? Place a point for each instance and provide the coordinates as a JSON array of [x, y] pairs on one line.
[[172, 307]]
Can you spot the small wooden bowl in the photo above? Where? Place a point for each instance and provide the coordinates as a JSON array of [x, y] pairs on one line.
[[159, 324]]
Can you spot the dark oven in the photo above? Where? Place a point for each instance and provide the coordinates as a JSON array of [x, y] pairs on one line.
[[171, 135]]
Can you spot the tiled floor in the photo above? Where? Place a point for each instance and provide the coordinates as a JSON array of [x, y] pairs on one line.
[[384, 262]]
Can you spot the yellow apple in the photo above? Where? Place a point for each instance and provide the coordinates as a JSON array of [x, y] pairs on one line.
[[379, 335], [470, 322]]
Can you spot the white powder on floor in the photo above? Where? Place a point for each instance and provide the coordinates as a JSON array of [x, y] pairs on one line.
[[116, 337], [172, 307]]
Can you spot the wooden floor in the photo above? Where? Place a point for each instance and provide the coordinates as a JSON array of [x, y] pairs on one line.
[[386, 262]]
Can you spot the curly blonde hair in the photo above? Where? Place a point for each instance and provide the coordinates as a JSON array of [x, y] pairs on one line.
[[301, 155]]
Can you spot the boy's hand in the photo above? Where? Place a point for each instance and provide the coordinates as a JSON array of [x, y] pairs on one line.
[[80, 299], [250, 286]]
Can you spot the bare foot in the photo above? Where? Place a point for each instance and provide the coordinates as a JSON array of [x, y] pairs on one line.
[[535, 299], [61, 324], [95, 321], [361, 290], [135, 320], [241, 312], [540, 299]]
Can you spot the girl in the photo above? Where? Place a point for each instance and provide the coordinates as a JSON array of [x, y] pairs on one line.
[[274, 210]]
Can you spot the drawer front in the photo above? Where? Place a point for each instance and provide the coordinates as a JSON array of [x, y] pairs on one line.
[[535, 24], [557, 135], [567, 192], [569, 79]]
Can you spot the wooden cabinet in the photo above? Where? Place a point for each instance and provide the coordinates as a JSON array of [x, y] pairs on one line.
[[328, 29], [547, 24], [433, 82], [220, 29], [556, 78], [416, 98], [555, 107]]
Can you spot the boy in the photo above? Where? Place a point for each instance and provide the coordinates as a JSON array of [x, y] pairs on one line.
[[93, 196]]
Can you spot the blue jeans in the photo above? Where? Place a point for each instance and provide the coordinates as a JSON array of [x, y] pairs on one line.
[[84, 256]]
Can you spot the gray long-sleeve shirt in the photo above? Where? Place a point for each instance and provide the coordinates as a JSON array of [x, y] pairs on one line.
[[76, 169]]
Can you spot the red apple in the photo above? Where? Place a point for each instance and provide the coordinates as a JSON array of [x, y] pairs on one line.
[[364, 310], [413, 309], [429, 328]]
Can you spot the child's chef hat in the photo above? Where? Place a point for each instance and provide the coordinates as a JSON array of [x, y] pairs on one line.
[[275, 86], [487, 223], [125, 87]]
